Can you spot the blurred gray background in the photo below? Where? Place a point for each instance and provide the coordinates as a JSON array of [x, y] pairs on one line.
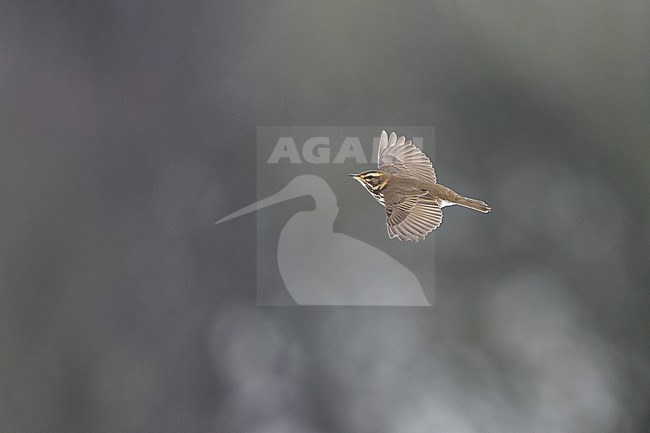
[[128, 128]]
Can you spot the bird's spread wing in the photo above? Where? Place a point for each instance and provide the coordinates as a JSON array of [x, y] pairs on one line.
[[401, 157], [411, 217]]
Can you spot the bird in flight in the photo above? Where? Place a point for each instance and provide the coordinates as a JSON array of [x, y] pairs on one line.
[[405, 184]]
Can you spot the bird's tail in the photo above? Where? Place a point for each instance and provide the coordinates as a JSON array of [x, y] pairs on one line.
[[472, 203]]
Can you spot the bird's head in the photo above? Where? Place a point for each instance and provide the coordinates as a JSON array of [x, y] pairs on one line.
[[374, 181]]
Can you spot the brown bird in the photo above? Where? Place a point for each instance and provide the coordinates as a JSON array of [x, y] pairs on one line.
[[406, 186]]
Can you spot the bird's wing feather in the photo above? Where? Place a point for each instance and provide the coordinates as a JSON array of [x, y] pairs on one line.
[[399, 208], [401, 157], [412, 218]]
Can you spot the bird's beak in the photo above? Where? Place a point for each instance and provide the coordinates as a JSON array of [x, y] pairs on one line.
[[353, 175]]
